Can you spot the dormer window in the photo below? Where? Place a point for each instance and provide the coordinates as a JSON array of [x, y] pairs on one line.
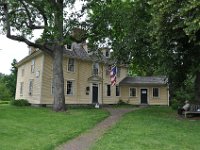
[[95, 68], [68, 46], [107, 53]]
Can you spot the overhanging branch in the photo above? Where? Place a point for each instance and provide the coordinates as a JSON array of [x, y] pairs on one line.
[[42, 47]]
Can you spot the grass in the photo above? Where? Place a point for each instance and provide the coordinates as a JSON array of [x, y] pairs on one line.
[[23, 128], [154, 128]]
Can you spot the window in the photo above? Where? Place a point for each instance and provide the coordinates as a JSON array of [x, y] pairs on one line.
[[22, 72], [118, 71], [108, 90], [132, 92], [70, 86], [108, 69], [71, 64], [31, 87], [21, 88], [32, 65], [117, 90], [95, 68], [155, 92], [107, 53]]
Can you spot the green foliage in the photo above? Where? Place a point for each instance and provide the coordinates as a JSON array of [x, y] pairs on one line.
[[5, 94], [42, 129], [175, 104], [126, 25], [20, 102], [4, 102]]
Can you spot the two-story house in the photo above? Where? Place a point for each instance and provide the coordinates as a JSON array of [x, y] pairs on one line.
[[86, 79]]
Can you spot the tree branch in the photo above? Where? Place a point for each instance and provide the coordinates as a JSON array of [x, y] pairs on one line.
[[31, 25], [42, 47]]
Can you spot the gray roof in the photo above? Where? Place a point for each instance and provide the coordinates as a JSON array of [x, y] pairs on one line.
[[144, 80], [79, 52]]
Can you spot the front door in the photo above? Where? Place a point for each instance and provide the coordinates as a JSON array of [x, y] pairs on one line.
[[95, 93], [143, 96]]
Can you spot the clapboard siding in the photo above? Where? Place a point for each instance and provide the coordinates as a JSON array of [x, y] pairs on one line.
[[27, 76]]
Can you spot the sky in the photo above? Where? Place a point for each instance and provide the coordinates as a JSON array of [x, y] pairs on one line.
[[10, 49]]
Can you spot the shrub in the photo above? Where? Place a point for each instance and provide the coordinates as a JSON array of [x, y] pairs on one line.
[[20, 102], [121, 102], [175, 104], [4, 102]]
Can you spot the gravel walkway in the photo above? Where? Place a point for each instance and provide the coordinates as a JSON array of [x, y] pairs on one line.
[[85, 140]]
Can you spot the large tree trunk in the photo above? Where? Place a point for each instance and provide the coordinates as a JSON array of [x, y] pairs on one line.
[[197, 87], [58, 80]]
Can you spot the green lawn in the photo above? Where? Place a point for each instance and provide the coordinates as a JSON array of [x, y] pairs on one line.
[[25, 128], [155, 128]]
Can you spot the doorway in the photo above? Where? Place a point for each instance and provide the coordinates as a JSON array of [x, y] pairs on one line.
[[144, 95], [95, 93]]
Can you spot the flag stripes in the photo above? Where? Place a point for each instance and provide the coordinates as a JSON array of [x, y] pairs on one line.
[[113, 75]]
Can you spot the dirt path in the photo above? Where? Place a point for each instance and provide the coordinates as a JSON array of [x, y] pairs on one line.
[[85, 140]]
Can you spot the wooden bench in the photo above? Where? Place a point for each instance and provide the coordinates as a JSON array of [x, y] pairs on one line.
[[194, 109]]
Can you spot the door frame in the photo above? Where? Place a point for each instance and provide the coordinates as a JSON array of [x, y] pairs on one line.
[[98, 86], [147, 95]]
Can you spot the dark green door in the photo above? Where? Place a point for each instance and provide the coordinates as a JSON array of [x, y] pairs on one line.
[[95, 93], [143, 96]]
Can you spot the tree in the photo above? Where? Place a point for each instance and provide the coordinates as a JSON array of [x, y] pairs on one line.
[[127, 26], [50, 16], [177, 32], [11, 79]]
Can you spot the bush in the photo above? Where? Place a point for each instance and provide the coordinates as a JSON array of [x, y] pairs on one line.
[[121, 102], [175, 104], [20, 102], [4, 102]]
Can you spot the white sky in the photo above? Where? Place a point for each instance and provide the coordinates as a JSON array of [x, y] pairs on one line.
[[10, 49]]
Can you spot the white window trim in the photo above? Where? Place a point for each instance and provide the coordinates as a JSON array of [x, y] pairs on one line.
[[135, 91], [33, 66], [158, 92], [94, 68], [68, 65]]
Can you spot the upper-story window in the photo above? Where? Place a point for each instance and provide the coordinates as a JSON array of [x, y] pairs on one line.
[[22, 73], [71, 63], [118, 71], [95, 68], [32, 65], [107, 69]]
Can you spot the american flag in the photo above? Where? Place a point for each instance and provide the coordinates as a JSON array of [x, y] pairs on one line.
[[113, 75]]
